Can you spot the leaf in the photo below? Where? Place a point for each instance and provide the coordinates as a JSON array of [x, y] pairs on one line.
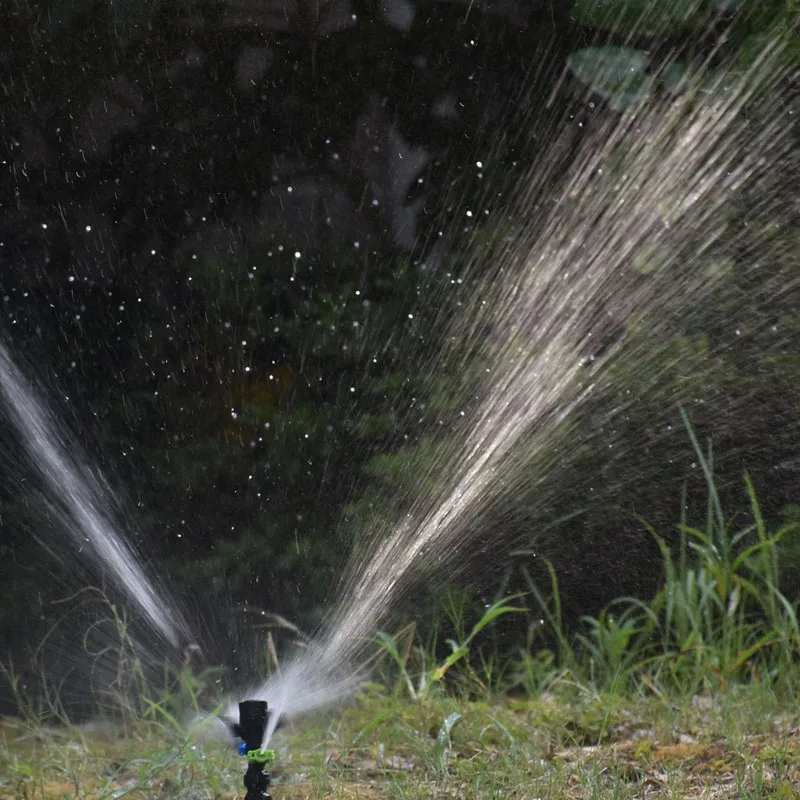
[[650, 258], [727, 6], [443, 738], [371, 725], [701, 536], [492, 613], [616, 73], [453, 658], [641, 17], [388, 643], [767, 640], [449, 722], [759, 547], [673, 76]]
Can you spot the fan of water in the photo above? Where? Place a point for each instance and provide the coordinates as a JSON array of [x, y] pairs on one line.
[[647, 201]]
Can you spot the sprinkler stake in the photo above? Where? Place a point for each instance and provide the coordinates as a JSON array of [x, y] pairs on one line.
[[253, 717]]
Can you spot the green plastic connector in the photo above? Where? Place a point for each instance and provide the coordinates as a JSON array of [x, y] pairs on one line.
[[261, 756]]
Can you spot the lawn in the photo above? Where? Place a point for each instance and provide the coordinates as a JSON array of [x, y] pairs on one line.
[[569, 742]]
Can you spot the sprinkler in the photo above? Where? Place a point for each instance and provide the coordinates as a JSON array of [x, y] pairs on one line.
[[253, 717]]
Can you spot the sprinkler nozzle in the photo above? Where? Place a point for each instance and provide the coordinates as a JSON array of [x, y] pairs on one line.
[[252, 725]]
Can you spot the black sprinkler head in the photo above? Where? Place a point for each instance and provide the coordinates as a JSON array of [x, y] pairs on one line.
[[252, 725], [253, 718]]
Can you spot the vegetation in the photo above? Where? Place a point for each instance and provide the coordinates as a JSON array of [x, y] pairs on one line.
[[565, 744], [689, 694]]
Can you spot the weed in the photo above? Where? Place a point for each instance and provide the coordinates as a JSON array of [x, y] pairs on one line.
[[719, 616], [400, 649]]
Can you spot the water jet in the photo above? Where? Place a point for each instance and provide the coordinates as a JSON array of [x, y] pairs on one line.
[[636, 233], [81, 499]]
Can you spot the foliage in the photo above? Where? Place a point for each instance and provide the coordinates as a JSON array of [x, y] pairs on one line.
[[319, 381], [432, 674], [719, 615], [626, 76], [615, 73], [637, 17], [121, 682], [173, 247]]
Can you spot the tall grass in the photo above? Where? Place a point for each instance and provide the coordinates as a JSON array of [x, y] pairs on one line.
[[720, 614], [419, 672], [110, 673]]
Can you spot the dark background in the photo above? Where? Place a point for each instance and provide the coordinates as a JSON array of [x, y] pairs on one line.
[[215, 220]]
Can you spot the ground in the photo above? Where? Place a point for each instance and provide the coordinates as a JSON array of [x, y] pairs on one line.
[[569, 743]]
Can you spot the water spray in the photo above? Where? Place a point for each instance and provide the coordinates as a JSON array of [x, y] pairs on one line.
[[592, 275], [80, 500], [252, 725]]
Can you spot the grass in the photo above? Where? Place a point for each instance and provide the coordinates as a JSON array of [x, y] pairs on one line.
[[690, 694], [566, 743]]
